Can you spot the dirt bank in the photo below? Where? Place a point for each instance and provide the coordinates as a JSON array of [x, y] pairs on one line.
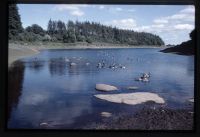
[[17, 52]]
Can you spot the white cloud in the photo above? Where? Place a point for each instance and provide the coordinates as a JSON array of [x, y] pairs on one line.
[[143, 28], [35, 99], [131, 10], [155, 28], [101, 7], [73, 9], [186, 14], [188, 10], [158, 21], [158, 26], [184, 27], [174, 28], [63, 7], [77, 13], [128, 23], [118, 9], [115, 9], [177, 16]]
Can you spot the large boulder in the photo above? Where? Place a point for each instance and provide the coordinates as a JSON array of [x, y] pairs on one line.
[[105, 87], [131, 98]]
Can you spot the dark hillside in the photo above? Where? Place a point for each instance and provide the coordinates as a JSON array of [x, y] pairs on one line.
[[185, 48]]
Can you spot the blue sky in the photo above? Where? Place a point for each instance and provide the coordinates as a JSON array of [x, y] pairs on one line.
[[172, 23]]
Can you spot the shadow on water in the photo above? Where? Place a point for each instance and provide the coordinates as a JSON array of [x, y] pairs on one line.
[[15, 83], [190, 66], [59, 67]]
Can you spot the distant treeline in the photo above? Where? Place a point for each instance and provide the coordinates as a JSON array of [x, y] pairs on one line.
[[71, 32]]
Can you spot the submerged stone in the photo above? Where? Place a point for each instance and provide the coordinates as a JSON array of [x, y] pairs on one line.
[[105, 87], [132, 88]]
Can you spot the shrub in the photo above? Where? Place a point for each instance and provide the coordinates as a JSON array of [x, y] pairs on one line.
[[88, 40], [46, 38], [81, 38]]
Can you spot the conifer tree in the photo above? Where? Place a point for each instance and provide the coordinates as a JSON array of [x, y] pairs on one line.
[[14, 22]]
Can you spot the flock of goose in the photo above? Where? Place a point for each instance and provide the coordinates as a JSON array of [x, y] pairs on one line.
[[111, 66], [104, 64]]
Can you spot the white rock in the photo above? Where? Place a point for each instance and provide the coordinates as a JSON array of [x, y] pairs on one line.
[[106, 114], [66, 59], [131, 98], [191, 100], [43, 124], [87, 63], [104, 87], [72, 64]]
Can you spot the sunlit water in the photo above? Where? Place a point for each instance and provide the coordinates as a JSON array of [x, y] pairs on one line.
[[45, 88]]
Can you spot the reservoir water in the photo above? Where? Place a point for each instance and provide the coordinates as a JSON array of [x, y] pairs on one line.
[[45, 88]]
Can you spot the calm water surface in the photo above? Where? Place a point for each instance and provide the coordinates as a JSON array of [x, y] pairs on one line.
[[45, 88]]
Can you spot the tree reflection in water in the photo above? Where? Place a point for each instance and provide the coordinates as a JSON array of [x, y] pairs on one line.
[[15, 82], [57, 66], [36, 65]]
